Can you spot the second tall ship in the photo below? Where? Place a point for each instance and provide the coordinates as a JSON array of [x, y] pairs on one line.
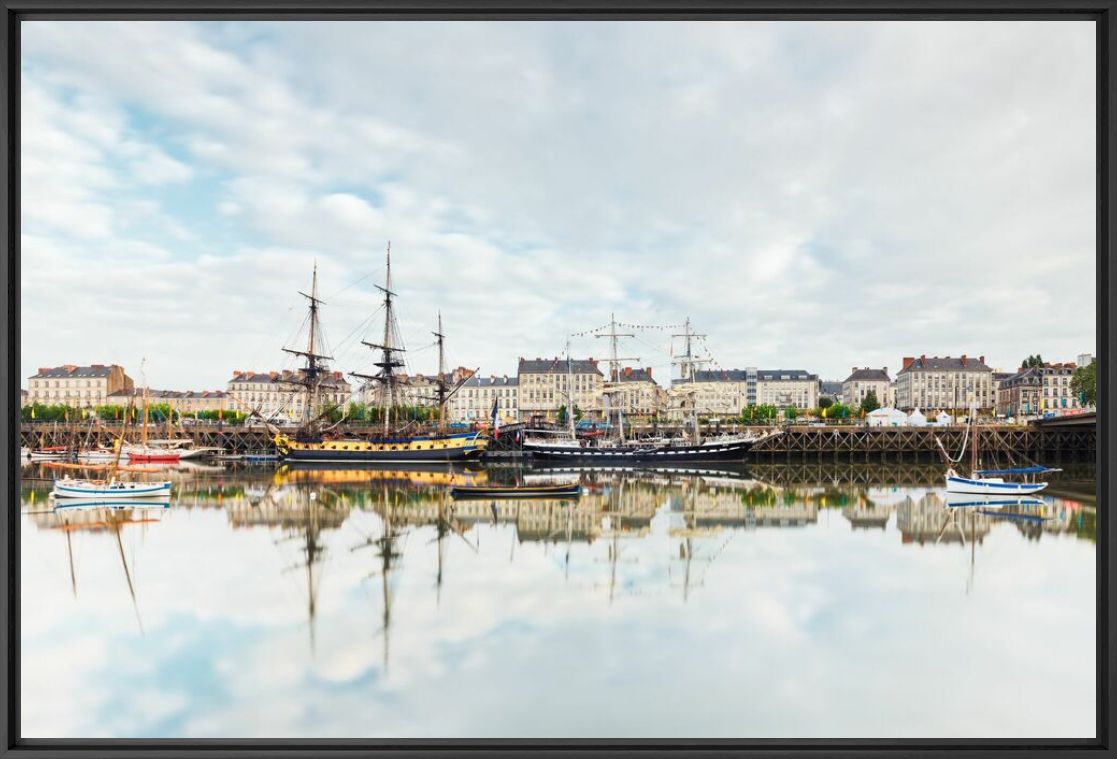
[[397, 441]]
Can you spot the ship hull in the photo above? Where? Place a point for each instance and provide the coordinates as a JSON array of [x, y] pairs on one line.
[[420, 450], [661, 454]]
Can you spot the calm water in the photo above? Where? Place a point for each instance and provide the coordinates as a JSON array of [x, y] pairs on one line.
[[774, 602]]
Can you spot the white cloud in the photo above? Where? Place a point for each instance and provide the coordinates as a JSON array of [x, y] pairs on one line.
[[812, 195]]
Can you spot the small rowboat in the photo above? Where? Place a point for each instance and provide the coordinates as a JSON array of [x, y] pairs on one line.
[[516, 491]]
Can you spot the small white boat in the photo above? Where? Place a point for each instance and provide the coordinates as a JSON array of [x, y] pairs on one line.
[[992, 483], [54, 453], [68, 487], [100, 455]]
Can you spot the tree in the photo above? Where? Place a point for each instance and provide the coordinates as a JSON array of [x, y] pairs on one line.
[[790, 412], [825, 402], [1084, 383], [870, 402], [1030, 361], [562, 414]]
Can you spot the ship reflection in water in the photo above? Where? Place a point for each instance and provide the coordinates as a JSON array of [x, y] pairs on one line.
[[370, 602]]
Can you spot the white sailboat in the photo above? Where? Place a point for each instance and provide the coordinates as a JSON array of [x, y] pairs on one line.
[[112, 488], [989, 482]]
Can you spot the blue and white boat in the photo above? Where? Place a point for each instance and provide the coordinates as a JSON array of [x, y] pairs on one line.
[[68, 487], [992, 482]]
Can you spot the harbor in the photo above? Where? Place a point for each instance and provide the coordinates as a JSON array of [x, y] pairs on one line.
[[1061, 442]]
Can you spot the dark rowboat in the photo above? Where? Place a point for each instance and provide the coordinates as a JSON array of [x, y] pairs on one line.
[[517, 491]]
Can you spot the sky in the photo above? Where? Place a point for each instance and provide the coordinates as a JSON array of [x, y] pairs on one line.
[[810, 195]]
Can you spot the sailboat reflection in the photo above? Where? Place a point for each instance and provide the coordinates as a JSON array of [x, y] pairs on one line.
[[94, 515]]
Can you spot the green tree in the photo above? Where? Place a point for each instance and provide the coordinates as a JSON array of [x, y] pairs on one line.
[[838, 411], [1030, 361], [870, 402], [825, 402], [1084, 383], [790, 412], [562, 414]]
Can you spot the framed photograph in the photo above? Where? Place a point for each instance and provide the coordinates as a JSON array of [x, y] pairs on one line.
[[411, 378]]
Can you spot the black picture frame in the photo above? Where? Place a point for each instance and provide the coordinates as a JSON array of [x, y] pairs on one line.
[[1102, 12]]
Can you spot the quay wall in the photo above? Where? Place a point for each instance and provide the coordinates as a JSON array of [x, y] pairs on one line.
[[841, 443]]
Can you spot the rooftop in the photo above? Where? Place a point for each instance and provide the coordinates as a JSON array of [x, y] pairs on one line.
[[492, 381], [962, 363], [558, 365], [868, 375], [287, 376], [71, 370]]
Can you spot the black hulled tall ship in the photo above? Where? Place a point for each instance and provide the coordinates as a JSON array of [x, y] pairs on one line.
[[615, 450], [398, 440]]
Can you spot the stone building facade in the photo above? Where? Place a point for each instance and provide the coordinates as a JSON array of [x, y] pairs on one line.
[[1037, 390], [77, 386], [542, 385], [933, 382], [862, 381]]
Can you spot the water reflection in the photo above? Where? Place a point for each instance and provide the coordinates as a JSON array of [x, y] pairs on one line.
[[387, 559]]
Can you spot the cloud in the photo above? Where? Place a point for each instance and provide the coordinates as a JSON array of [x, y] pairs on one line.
[[812, 195]]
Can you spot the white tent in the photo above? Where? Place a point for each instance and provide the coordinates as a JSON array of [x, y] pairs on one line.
[[942, 419], [886, 417], [917, 419]]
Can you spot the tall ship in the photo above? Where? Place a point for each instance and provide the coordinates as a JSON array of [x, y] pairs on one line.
[[398, 440], [690, 447]]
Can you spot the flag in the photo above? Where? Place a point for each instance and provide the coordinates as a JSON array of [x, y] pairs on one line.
[[495, 418], [32, 412]]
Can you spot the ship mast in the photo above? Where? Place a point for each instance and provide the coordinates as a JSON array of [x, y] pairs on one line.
[[315, 362], [441, 374], [570, 392], [614, 393], [687, 371], [388, 362]]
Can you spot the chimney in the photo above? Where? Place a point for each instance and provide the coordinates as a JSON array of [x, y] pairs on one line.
[[981, 359], [884, 369], [648, 369], [963, 359], [851, 371], [69, 367], [44, 369]]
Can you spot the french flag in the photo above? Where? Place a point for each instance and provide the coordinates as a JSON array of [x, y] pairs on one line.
[[495, 419]]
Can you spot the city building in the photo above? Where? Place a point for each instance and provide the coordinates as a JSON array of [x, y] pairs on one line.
[[931, 382], [23, 398], [635, 393], [543, 384], [182, 401], [728, 392], [862, 381], [278, 395], [1084, 359], [1036, 390], [474, 401], [785, 388], [77, 386]]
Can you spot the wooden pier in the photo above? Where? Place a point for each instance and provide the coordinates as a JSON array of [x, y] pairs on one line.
[[1049, 444]]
